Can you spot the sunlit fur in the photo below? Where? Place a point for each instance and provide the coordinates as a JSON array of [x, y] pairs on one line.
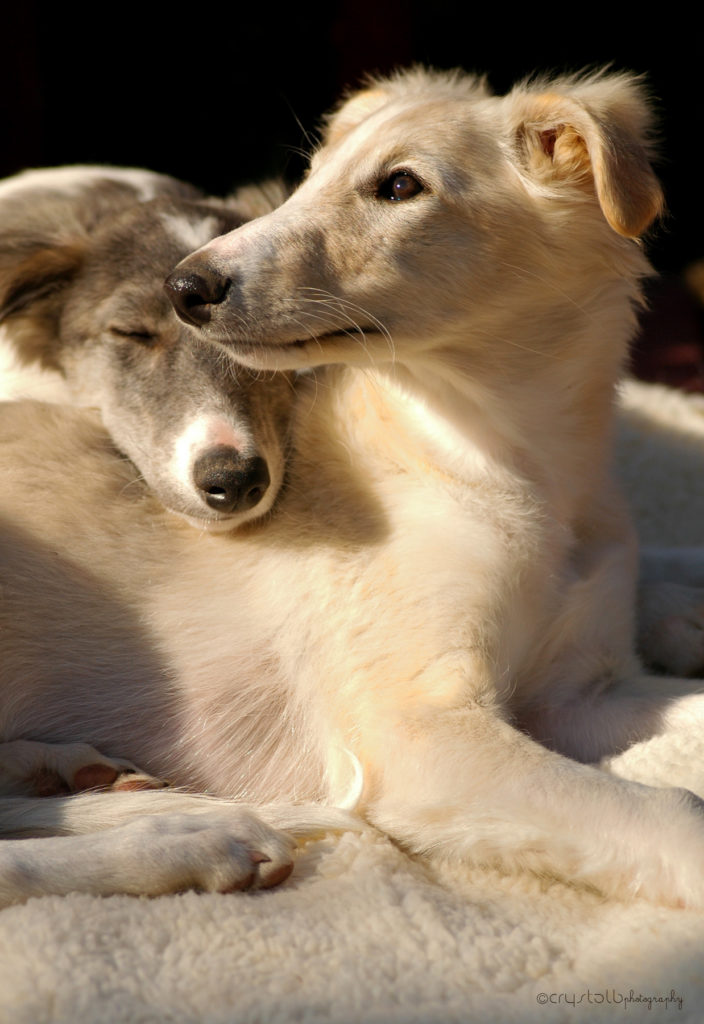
[[437, 620]]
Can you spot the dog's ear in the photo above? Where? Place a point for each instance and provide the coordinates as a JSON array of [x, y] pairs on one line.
[[47, 219], [353, 110], [592, 133], [33, 279], [32, 290]]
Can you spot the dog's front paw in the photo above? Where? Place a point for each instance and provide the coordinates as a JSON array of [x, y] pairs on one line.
[[114, 774], [29, 768], [670, 872], [221, 850], [671, 628]]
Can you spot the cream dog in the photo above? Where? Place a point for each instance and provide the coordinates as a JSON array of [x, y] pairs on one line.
[[468, 267]]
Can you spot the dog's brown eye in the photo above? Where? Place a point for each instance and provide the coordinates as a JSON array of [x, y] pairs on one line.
[[399, 186]]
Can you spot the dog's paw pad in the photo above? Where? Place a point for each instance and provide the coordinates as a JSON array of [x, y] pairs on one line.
[[115, 777], [94, 776]]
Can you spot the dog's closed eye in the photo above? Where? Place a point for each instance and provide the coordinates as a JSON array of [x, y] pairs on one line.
[[140, 334]]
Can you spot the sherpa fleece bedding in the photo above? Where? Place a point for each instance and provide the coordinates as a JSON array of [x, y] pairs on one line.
[[363, 933]]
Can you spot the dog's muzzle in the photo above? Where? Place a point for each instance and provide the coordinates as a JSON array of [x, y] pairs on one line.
[[193, 294]]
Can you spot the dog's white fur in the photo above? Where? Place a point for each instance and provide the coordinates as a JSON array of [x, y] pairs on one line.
[[445, 597]]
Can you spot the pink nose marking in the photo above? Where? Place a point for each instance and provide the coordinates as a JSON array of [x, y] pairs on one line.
[[218, 432]]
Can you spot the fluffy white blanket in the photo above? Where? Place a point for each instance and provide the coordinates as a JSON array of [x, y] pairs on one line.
[[363, 933]]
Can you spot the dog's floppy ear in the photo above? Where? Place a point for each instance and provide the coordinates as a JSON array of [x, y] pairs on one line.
[[592, 132], [33, 276], [47, 218], [28, 276]]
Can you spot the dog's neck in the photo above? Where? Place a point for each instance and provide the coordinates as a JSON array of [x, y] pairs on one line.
[[545, 428], [537, 399]]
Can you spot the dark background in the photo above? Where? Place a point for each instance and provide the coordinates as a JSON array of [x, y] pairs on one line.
[[224, 94]]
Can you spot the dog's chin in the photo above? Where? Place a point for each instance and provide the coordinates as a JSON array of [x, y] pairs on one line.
[[226, 524], [287, 356], [355, 347]]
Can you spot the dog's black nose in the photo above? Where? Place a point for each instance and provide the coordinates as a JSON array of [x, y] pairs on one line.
[[229, 482], [194, 294]]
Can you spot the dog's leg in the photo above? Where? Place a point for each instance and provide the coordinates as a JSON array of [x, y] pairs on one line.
[[671, 610], [596, 725], [92, 812], [671, 627], [48, 769], [151, 842], [466, 785], [214, 850]]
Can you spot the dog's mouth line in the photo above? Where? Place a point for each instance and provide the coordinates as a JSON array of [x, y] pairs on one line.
[[314, 339], [221, 524]]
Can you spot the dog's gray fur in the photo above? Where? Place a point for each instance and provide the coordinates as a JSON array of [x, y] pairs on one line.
[[83, 255]]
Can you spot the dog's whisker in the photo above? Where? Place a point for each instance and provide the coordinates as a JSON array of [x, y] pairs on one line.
[[306, 330], [309, 136], [349, 309]]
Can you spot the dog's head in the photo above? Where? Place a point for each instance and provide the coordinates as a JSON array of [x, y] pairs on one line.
[[439, 218], [83, 256]]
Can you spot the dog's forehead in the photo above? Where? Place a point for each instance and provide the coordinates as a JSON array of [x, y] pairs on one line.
[[402, 129], [135, 295], [153, 236], [190, 231]]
